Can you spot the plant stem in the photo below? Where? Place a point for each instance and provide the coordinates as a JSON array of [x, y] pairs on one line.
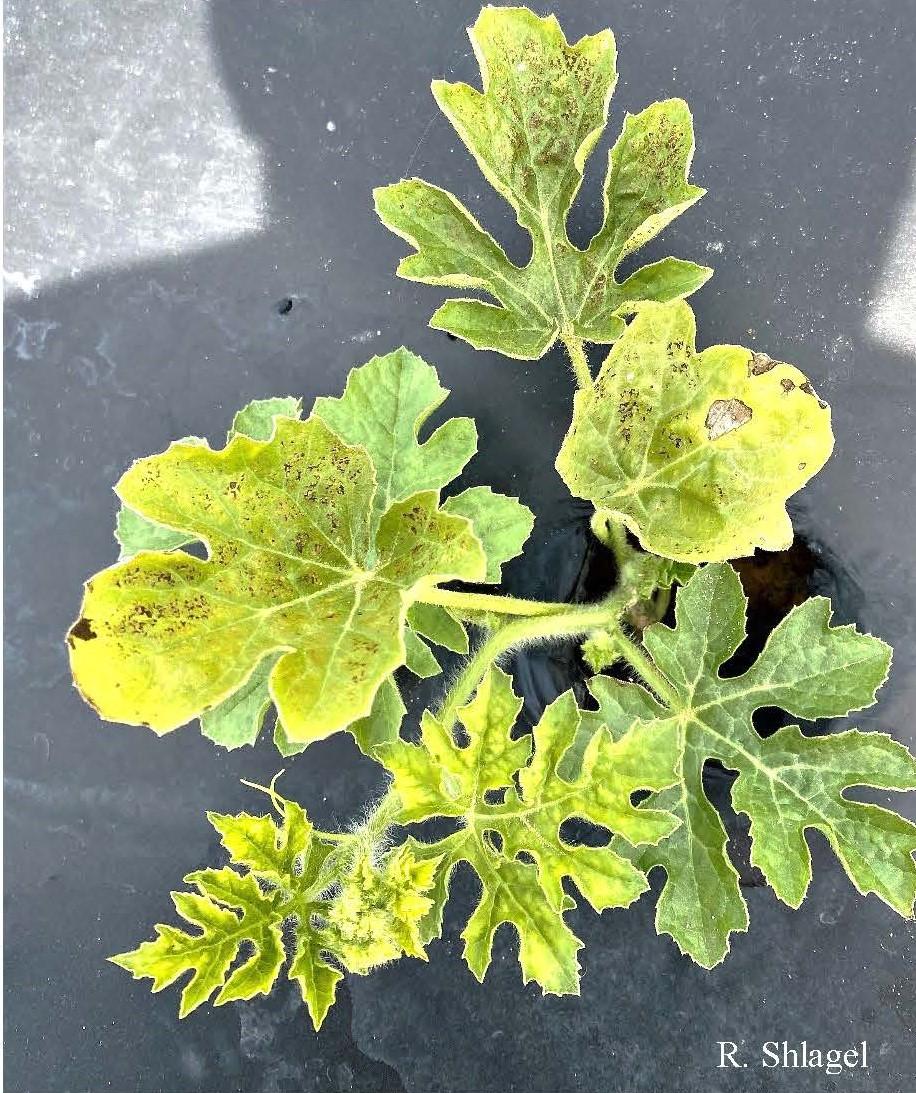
[[578, 360], [609, 530], [535, 621], [462, 602], [571, 620], [638, 660]]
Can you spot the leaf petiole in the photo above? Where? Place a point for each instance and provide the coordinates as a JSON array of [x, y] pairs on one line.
[[473, 603], [640, 663], [568, 622], [579, 361]]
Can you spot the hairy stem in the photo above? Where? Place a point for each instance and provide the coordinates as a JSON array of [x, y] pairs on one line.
[[476, 602], [535, 622], [639, 661], [571, 621], [610, 531], [577, 358]]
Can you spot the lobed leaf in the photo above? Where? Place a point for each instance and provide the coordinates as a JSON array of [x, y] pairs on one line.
[[340, 908], [319, 543], [293, 568], [384, 405], [697, 453], [531, 130], [256, 420], [439, 778], [231, 910], [786, 784]]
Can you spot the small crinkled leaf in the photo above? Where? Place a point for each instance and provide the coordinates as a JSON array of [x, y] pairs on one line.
[[383, 407], [230, 911], [786, 783], [293, 568], [256, 420], [600, 650], [376, 914], [501, 523], [439, 778], [543, 108], [695, 452]]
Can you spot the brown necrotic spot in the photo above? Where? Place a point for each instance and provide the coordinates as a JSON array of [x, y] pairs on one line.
[[809, 390], [726, 415], [787, 385], [82, 630], [760, 363]]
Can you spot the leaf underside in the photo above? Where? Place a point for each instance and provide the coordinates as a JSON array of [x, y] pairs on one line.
[[786, 783], [695, 452], [531, 130], [321, 535]]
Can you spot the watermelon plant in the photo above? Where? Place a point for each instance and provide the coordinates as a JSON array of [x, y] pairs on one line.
[[287, 576]]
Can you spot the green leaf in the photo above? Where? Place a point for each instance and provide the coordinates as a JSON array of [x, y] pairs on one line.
[[542, 110], [238, 719], [383, 724], [502, 524], [256, 420], [419, 658], [294, 568], [230, 909], [787, 783], [287, 747], [695, 452], [384, 406], [671, 573], [439, 778], [135, 533], [439, 625]]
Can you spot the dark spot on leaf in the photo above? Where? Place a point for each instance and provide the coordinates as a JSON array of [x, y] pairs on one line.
[[726, 415], [809, 390], [760, 363], [82, 630], [285, 306], [787, 385]]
